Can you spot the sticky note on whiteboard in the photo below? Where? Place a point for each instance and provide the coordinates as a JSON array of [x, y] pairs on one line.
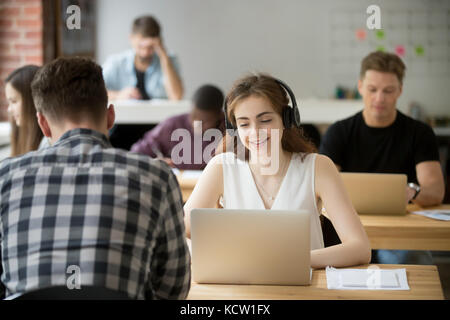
[[400, 50], [360, 34], [380, 34], [420, 51]]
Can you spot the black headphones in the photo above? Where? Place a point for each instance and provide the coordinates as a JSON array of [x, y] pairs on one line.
[[291, 115]]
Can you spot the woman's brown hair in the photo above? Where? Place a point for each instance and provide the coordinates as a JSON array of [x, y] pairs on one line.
[[28, 136], [265, 86]]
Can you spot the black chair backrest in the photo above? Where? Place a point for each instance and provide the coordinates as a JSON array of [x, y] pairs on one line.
[[84, 293]]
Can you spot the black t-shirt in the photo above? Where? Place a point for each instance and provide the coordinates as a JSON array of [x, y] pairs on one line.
[[140, 85], [398, 148]]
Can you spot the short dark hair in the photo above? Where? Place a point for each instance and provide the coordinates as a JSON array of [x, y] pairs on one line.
[[383, 62], [146, 26], [208, 98], [70, 88]]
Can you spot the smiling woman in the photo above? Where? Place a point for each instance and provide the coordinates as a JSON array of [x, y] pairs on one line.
[[256, 131], [280, 171], [265, 93]]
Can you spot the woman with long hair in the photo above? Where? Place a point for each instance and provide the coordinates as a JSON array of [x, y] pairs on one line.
[[25, 132], [273, 166]]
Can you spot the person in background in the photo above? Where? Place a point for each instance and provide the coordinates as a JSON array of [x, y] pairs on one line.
[[145, 72], [115, 215], [381, 139], [25, 132], [206, 113], [278, 171]]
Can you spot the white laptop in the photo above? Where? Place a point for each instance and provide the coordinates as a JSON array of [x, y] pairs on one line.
[[376, 193], [269, 247]]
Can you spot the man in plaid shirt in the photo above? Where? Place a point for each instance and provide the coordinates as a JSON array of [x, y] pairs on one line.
[[114, 216]]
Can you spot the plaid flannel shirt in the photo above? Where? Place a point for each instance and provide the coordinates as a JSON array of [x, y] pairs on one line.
[[116, 216]]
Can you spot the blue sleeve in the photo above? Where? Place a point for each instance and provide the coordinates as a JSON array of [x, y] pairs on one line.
[[110, 74], [155, 82], [176, 65]]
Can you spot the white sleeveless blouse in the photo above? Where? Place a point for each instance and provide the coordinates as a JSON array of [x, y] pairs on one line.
[[296, 190]]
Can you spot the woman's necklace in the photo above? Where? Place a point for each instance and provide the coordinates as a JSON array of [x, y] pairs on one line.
[[269, 196]]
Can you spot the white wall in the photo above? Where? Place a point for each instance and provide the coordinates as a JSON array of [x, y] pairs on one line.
[[217, 41]]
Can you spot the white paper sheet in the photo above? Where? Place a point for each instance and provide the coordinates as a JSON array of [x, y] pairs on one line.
[[435, 214], [372, 278]]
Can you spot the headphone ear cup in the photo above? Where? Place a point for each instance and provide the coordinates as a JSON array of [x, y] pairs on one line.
[[296, 117], [287, 117], [291, 115]]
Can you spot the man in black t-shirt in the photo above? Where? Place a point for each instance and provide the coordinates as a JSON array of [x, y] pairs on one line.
[[382, 139]]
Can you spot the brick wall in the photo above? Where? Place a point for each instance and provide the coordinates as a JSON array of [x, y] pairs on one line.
[[20, 39]]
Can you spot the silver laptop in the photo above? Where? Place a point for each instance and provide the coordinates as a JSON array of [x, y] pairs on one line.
[[251, 246], [376, 193]]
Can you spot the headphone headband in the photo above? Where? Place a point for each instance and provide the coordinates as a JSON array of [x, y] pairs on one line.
[[291, 114], [289, 91]]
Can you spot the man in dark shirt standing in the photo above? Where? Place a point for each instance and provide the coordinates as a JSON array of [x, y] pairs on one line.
[[114, 216], [381, 139]]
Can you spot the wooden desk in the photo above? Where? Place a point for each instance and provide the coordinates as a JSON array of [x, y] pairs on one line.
[[187, 185], [316, 111], [408, 232], [148, 112], [423, 281]]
